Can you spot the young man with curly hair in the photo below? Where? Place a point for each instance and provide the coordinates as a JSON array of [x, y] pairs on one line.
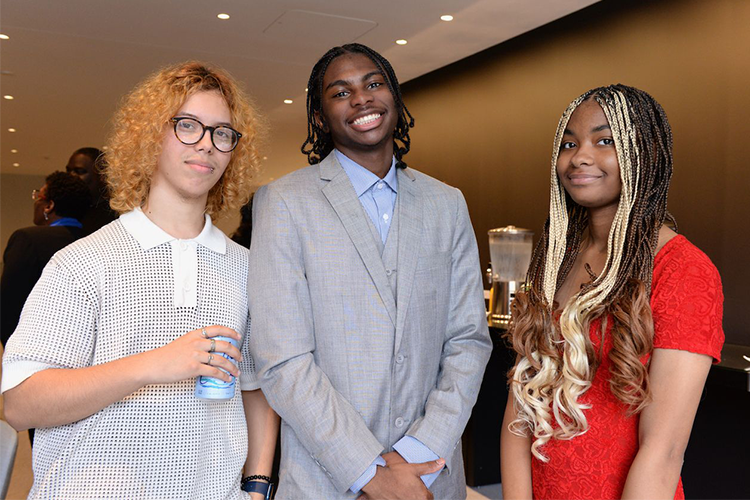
[[105, 357]]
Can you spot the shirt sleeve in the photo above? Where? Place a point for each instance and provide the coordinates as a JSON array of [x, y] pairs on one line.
[[415, 452], [367, 475], [57, 328], [687, 303]]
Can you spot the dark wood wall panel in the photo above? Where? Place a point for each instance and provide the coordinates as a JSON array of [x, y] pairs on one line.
[[485, 124]]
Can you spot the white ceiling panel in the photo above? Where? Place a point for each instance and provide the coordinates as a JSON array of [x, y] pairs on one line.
[[68, 63]]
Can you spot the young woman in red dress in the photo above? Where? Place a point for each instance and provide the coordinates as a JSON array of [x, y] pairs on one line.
[[621, 321]]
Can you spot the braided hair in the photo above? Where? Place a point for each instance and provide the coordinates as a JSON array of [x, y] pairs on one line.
[[319, 142], [557, 362]]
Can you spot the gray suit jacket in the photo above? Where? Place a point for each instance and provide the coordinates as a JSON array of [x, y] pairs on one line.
[[348, 366]]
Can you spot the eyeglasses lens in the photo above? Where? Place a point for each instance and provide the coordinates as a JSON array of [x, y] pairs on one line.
[[224, 138], [190, 131]]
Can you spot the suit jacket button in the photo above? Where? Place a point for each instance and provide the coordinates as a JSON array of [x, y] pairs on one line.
[[400, 358], [399, 422]]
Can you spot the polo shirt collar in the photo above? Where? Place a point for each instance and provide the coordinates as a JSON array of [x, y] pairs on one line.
[[149, 235], [361, 178]]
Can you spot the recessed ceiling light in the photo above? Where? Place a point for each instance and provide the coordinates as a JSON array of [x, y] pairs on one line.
[[16, 164], [14, 151], [11, 130], [265, 157], [401, 42], [223, 16], [446, 17], [9, 97], [3, 36], [305, 89], [288, 101]]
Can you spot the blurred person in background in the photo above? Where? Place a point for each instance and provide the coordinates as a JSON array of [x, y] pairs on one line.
[[89, 165], [59, 206]]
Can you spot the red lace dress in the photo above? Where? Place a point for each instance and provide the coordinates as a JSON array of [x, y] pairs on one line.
[[686, 302]]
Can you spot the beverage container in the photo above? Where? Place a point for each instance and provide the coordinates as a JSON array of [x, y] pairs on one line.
[[214, 388], [510, 254]]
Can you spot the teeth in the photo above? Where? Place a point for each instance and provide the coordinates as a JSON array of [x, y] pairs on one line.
[[367, 119]]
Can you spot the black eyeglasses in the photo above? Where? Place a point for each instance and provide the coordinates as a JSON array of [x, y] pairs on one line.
[[190, 131]]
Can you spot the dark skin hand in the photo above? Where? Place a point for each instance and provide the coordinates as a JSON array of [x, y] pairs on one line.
[[400, 480]]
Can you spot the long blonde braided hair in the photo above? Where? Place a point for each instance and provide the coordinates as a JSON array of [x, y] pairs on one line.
[[557, 362]]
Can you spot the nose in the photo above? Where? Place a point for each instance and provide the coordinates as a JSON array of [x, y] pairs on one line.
[[582, 156], [361, 97], [205, 144]]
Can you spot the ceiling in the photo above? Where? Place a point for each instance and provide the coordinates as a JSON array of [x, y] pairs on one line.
[[68, 63]]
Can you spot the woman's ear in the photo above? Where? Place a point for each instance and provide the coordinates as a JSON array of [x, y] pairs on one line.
[[50, 207]]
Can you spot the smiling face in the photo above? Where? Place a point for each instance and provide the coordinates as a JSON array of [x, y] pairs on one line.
[[587, 163], [358, 109], [189, 172]]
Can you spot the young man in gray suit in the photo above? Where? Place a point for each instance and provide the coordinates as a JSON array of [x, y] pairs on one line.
[[369, 331]]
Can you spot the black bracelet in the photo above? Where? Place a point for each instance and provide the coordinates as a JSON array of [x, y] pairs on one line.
[[255, 478]]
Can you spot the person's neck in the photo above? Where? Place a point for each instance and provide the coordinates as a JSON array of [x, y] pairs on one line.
[[178, 217], [600, 223], [378, 161], [51, 217]]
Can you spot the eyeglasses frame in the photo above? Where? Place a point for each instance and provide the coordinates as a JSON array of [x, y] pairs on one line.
[[36, 194], [175, 120]]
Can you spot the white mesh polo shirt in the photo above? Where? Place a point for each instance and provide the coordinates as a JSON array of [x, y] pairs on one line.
[[129, 288]]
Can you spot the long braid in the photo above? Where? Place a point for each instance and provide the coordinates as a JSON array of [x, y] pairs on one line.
[[558, 362], [319, 140]]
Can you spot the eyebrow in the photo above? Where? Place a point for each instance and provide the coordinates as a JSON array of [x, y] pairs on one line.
[[190, 115], [348, 82], [606, 126]]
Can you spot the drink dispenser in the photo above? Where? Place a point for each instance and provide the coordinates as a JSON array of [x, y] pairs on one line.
[[510, 254]]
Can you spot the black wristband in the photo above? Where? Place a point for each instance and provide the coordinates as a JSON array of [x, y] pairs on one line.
[[250, 485], [256, 477]]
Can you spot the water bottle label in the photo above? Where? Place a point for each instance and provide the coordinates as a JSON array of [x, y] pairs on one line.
[[213, 388]]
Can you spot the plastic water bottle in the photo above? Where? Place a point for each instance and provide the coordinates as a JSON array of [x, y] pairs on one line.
[[213, 388]]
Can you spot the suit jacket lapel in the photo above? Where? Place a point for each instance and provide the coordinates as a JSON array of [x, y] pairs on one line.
[[409, 244], [343, 199]]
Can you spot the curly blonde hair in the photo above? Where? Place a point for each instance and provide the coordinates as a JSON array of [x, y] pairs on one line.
[[139, 126], [557, 361]]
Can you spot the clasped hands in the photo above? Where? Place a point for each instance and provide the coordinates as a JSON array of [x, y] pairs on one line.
[[400, 480]]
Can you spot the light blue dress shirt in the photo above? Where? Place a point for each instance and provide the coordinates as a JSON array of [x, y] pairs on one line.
[[378, 198]]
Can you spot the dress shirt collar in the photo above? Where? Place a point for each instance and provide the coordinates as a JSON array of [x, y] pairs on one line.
[[362, 179], [149, 235], [67, 221]]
